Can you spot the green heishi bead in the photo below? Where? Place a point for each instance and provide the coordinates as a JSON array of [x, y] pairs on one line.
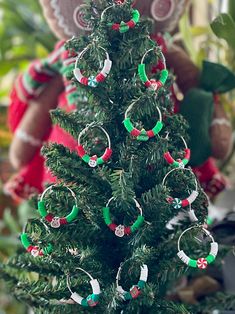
[[42, 209], [175, 164], [135, 16], [141, 284], [123, 27], [209, 221], [24, 240], [86, 158], [100, 161], [84, 302], [128, 125], [73, 214], [137, 224], [192, 263], [185, 161], [157, 127], [210, 259], [143, 137], [142, 73], [164, 76], [106, 215], [127, 296]]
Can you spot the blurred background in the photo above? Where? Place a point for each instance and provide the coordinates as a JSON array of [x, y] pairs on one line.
[[25, 36]]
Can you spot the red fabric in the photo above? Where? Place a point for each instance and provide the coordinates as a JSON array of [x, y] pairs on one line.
[[16, 110]]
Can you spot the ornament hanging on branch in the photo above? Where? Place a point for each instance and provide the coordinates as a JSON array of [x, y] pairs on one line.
[[142, 135], [179, 163], [92, 81], [135, 290], [57, 222], [121, 27], [153, 84], [94, 160], [176, 202], [90, 301], [34, 250], [201, 263], [121, 230]]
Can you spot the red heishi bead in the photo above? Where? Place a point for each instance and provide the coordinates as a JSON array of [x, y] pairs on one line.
[[100, 77], [84, 81], [49, 217], [127, 230], [185, 203], [131, 24], [150, 133], [107, 154], [168, 158], [81, 151], [112, 226], [135, 132], [116, 27], [63, 221]]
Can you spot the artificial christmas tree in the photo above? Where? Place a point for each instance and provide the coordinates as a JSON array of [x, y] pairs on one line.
[[106, 217]]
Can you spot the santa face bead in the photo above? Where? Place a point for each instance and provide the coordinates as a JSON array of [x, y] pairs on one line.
[[120, 231], [55, 223], [200, 263]]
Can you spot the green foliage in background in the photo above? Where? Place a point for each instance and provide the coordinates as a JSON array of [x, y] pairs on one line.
[[24, 36]]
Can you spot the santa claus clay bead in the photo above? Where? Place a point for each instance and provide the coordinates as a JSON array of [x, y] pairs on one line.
[[179, 163], [135, 290], [34, 250], [121, 230], [57, 222], [142, 135], [93, 80], [178, 203], [91, 300], [122, 27], [94, 161], [201, 262], [153, 84]]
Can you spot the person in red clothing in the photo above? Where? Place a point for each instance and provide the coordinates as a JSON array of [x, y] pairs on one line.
[[44, 87]]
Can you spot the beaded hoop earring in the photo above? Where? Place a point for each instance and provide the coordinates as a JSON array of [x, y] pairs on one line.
[[201, 263], [92, 81], [57, 222], [122, 27], [142, 135], [179, 163], [91, 300], [94, 160], [152, 84], [176, 202], [34, 250], [135, 290], [120, 230]]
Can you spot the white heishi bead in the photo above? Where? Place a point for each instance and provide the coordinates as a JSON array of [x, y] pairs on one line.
[[184, 258], [121, 292], [95, 286], [107, 67], [192, 216], [214, 249], [78, 75], [192, 197], [77, 298], [144, 273]]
